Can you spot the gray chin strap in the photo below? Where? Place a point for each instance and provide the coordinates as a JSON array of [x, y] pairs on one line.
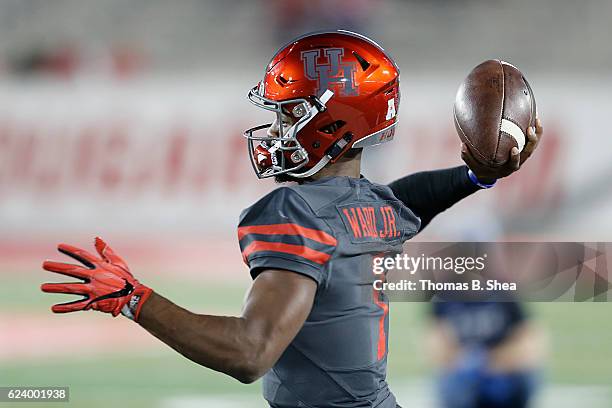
[[314, 169]]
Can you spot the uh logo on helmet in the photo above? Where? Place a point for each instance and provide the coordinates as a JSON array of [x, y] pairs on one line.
[[340, 90], [334, 72]]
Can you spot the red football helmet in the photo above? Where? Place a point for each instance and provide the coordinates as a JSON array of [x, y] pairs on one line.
[[342, 90]]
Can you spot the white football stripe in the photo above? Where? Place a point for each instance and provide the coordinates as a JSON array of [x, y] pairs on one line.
[[513, 130], [509, 64]]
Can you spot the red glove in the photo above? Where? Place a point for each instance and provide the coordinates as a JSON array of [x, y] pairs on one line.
[[108, 285]]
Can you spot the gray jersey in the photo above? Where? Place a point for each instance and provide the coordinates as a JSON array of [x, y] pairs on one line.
[[330, 230]]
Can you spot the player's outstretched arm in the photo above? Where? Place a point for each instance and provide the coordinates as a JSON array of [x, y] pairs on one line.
[[243, 347], [429, 193]]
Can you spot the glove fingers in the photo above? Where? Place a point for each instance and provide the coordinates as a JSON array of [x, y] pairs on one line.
[[74, 271], [68, 288], [109, 255], [80, 255], [75, 306]]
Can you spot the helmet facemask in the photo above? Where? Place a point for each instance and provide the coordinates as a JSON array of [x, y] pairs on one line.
[[283, 154]]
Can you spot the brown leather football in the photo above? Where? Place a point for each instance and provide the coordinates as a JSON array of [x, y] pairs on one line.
[[494, 108]]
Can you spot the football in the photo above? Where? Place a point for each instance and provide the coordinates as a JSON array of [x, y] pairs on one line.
[[494, 107]]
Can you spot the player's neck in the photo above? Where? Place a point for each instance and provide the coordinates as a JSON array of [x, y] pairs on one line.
[[344, 167]]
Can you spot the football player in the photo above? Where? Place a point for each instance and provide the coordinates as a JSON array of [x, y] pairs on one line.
[[311, 325], [490, 354]]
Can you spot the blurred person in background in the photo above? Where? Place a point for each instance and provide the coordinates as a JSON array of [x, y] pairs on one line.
[[488, 354]]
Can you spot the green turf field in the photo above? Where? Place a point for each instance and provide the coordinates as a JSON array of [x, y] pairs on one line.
[[581, 354]]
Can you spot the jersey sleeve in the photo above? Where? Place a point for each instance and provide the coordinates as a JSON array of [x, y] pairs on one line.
[[282, 232], [429, 193]]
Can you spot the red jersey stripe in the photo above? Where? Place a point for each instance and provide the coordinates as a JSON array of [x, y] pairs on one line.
[[299, 250], [382, 338], [288, 229]]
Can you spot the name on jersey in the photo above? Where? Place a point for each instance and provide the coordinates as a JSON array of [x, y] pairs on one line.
[[365, 222]]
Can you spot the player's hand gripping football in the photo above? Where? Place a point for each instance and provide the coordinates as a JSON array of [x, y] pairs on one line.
[[107, 286], [487, 174]]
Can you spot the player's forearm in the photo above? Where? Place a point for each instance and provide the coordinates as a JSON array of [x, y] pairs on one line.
[[429, 193], [218, 342]]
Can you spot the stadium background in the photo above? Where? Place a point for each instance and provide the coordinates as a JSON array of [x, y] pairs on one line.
[[124, 119]]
